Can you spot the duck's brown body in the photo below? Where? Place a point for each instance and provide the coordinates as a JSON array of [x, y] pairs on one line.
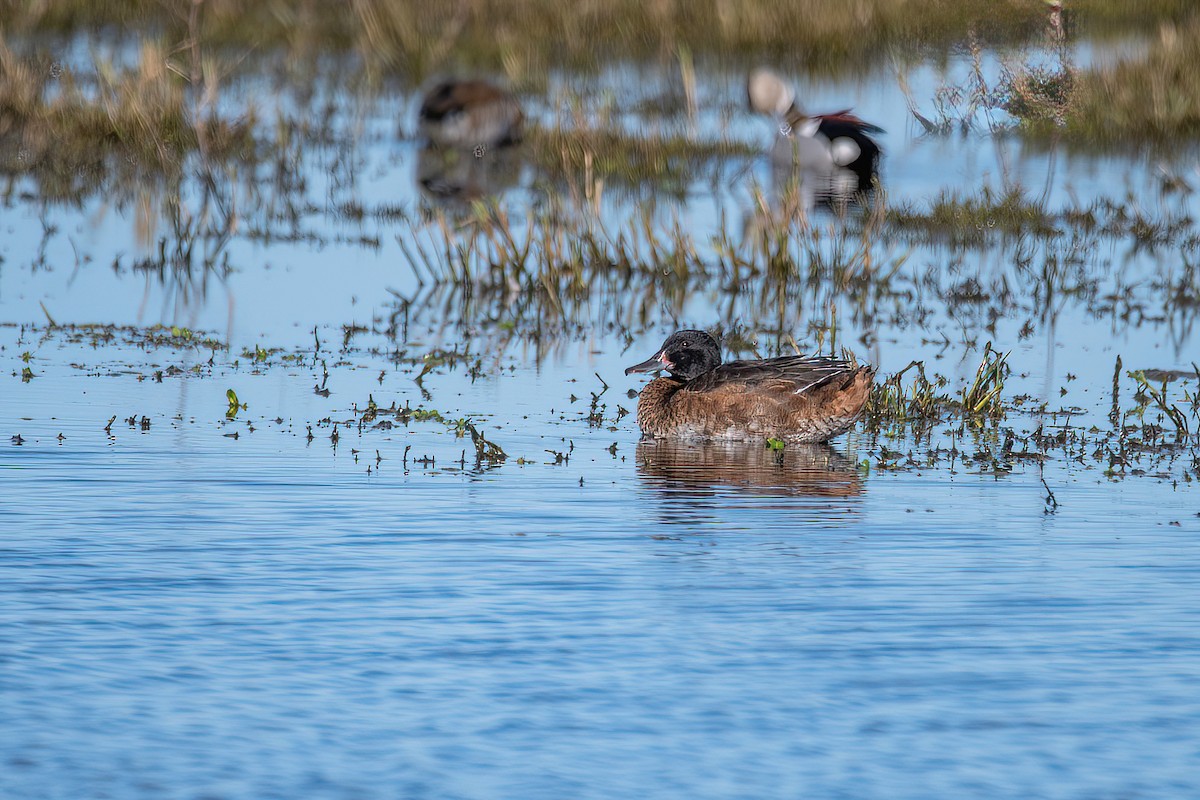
[[470, 113], [792, 398]]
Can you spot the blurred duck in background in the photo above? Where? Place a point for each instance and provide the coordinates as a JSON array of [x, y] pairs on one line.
[[468, 126], [834, 152], [469, 114]]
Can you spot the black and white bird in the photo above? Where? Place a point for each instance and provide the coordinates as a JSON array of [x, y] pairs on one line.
[[837, 145]]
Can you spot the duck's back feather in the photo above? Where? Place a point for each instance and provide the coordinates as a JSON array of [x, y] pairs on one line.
[[843, 123], [452, 97], [470, 113], [793, 374]]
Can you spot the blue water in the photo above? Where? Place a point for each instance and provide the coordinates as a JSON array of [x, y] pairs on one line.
[[186, 614]]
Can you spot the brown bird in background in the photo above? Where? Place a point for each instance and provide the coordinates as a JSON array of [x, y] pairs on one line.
[[469, 114]]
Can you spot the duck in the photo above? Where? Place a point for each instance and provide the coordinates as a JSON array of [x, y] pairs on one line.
[[819, 142], [470, 114], [796, 399]]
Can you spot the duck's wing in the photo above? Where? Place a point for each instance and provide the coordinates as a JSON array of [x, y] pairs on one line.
[[843, 123], [794, 374]]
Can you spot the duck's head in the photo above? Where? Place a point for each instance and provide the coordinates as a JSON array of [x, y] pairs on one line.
[[685, 354], [768, 93]]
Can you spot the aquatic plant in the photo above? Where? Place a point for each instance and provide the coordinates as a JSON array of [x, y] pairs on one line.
[[1148, 393], [234, 404], [982, 398]]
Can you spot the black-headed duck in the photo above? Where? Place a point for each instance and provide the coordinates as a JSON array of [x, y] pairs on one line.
[[792, 398]]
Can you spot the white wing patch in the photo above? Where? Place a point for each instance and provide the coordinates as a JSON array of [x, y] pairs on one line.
[[821, 372]]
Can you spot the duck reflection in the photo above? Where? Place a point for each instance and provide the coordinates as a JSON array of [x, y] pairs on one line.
[[461, 176], [470, 129], [701, 468], [813, 186]]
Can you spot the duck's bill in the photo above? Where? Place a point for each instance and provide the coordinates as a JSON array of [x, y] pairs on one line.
[[653, 364]]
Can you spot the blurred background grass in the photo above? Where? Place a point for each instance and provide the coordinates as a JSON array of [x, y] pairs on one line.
[[151, 77], [522, 37]]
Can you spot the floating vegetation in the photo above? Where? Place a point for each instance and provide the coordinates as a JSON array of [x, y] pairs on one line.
[[149, 338], [915, 419], [372, 417], [234, 404], [137, 118]]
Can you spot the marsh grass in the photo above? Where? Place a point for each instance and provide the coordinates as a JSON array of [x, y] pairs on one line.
[[151, 111], [924, 400], [135, 115], [140, 113], [1148, 395], [1151, 97], [979, 428], [992, 257], [920, 403], [983, 397], [523, 38], [848, 249], [973, 217], [1154, 97], [1041, 97], [590, 158]]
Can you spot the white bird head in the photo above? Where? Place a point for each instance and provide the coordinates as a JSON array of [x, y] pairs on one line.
[[768, 93]]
